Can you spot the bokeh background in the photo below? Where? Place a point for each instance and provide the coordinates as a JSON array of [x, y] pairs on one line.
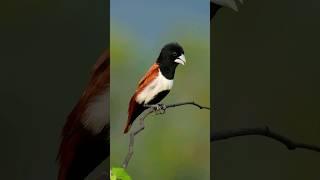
[[47, 51], [174, 145], [265, 72], [265, 67]]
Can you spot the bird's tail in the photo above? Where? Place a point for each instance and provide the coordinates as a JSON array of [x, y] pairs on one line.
[[82, 153], [127, 128], [134, 111], [67, 155]]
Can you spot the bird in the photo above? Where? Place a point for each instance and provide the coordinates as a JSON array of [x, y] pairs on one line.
[[157, 82], [215, 5], [85, 135]]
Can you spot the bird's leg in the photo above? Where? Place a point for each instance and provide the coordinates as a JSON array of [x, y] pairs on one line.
[[162, 108], [158, 108]]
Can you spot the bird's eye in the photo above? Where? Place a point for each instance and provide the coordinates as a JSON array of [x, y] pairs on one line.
[[174, 54]]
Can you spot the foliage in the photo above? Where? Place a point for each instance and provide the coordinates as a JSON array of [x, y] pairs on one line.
[[119, 174]]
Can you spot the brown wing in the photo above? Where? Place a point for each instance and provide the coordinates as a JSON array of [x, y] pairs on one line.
[[98, 83], [135, 109], [148, 77], [75, 137]]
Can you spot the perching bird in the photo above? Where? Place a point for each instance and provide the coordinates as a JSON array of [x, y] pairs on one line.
[[157, 82], [215, 5], [85, 136]]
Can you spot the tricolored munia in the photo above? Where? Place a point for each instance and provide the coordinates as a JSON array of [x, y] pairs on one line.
[[85, 136], [156, 83]]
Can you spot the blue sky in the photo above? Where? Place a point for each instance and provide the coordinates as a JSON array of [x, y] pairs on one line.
[[150, 18]]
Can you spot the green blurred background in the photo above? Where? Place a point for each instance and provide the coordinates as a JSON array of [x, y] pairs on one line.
[[265, 67], [174, 145]]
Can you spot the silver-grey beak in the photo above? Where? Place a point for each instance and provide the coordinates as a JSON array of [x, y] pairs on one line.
[[181, 60]]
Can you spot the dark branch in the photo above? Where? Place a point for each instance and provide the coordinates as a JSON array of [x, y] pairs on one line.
[[291, 145], [187, 103], [133, 134], [161, 108]]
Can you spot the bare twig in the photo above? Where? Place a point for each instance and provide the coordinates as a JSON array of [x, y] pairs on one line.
[[151, 109], [291, 145], [188, 103], [132, 134]]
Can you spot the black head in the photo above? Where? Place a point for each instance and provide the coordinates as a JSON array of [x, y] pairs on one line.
[[170, 56]]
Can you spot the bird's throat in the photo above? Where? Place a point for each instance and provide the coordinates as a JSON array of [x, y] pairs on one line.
[[168, 71]]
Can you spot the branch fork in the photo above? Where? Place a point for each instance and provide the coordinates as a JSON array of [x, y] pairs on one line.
[[157, 109]]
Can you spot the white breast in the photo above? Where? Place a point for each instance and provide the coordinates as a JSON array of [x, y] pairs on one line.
[[97, 113], [160, 83]]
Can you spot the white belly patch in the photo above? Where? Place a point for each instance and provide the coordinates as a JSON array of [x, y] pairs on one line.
[[160, 83]]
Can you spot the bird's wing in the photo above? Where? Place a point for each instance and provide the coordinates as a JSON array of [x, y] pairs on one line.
[[136, 109], [149, 76], [102, 63], [98, 83], [76, 134]]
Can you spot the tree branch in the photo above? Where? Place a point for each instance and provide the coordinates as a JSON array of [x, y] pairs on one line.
[[159, 109], [187, 103], [291, 145]]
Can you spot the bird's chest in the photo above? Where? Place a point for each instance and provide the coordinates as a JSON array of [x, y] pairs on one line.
[[158, 85]]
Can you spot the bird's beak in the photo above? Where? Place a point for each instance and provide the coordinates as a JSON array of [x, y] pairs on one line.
[[181, 60], [228, 3]]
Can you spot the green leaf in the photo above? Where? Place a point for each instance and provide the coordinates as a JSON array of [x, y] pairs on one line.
[[119, 174]]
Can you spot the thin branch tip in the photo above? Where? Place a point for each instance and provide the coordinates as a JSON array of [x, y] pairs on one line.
[[266, 132]]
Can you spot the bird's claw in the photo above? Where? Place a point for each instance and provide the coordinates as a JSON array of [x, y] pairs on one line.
[[159, 108]]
